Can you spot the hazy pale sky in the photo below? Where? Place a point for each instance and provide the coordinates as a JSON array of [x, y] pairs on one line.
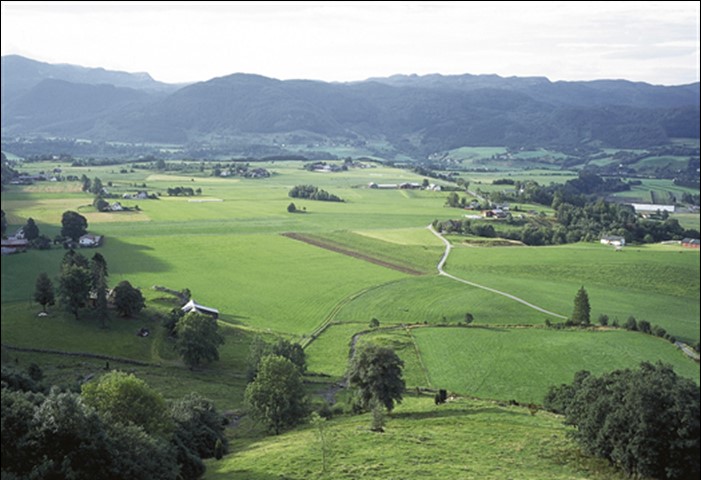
[[655, 42]]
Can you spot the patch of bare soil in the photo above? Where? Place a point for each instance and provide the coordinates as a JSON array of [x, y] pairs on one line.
[[351, 253]]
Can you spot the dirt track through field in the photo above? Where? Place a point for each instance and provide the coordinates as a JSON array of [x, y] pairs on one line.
[[351, 253], [441, 271]]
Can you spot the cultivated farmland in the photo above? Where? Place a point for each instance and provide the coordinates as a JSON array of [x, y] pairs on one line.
[[319, 277]]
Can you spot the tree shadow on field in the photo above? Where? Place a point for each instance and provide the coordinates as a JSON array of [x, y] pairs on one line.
[[445, 411], [257, 475], [233, 319], [128, 258], [490, 328]]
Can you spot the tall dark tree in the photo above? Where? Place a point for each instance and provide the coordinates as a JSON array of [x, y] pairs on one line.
[[73, 258], [582, 309], [86, 183], [376, 375], [98, 269], [3, 221], [276, 397], [198, 339], [101, 204], [96, 187], [44, 291], [128, 300], [74, 225], [74, 288], [99, 264], [30, 229]]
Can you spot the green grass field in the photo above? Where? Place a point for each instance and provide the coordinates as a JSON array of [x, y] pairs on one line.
[[482, 361], [664, 191], [464, 439], [227, 247], [657, 283], [434, 300]]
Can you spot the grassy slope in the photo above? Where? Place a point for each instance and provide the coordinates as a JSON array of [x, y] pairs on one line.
[[522, 363], [222, 251], [658, 284], [462, 439], [498, 363]]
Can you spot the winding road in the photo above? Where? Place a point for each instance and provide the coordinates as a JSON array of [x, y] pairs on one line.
[[441, 271]]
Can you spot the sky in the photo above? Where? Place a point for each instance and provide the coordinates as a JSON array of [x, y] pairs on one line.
[[654, 42]]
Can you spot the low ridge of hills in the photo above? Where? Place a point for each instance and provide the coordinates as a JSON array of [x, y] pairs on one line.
[[416, 115]]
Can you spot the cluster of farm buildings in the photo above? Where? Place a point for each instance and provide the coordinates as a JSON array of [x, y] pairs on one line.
[[17, 243]]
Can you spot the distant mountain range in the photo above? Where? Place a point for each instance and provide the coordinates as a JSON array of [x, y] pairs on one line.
[[414, 115]]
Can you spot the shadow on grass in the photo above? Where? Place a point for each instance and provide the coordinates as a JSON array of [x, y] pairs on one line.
[[233, 319], [446, 412], [129, 258], [491, 328], [257, 475]]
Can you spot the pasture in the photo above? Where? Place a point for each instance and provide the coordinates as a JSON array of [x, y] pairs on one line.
[[660, 191], [482, 361], [495, 442], [226, 246], [656, 283]]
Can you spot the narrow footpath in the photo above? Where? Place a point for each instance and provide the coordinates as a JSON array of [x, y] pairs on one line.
[[441, 271]]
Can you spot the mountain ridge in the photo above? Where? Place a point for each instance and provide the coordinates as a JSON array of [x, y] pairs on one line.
[[416, 114]]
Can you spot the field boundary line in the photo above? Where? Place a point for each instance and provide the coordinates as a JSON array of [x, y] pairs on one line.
[[429, 384], [441, 271], [331, 316], [79, 354]]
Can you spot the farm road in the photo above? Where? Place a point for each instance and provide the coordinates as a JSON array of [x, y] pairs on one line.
[[441, 271]]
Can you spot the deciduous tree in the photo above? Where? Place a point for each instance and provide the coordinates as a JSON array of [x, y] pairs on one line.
[[73, 225], [276, 397], [128, 300], [376, 374], [645, 421], [198, 339], [293, 352], [198, 425], [128, 400]]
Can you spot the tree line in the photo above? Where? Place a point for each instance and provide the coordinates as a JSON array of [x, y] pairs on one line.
[[644, 421], [313, 193], [82, 284], [580, 215], [573, 223], [276, 397]]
